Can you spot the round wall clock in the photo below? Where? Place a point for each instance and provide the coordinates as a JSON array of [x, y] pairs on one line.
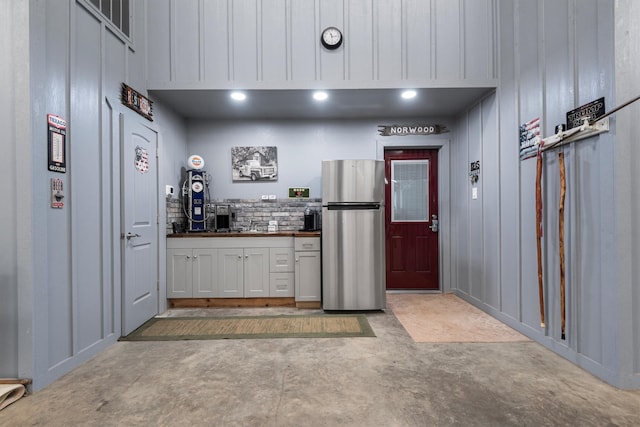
[[331, 38]]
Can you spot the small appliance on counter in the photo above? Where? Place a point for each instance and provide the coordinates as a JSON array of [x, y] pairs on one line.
[[223, 218], [311, 220]]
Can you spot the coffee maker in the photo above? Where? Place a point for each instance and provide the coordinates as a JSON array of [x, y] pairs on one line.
[[223, 218], [311, 220]]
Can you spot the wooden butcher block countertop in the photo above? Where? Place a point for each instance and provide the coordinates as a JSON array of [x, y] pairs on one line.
[[248, 234]]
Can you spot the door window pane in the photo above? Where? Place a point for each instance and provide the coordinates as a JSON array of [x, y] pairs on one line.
[[409, 190]]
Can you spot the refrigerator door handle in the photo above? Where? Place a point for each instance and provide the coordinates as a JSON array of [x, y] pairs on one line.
[[352, 206]]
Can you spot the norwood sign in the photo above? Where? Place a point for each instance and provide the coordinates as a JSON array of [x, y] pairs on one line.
[[404, 130]]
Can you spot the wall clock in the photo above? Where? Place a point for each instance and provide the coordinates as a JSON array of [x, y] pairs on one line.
[[331, 38]]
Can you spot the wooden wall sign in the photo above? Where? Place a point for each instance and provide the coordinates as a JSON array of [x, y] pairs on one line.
[[137, 102], [403, 130]]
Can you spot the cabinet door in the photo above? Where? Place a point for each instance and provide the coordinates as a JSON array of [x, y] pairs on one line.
[[308, 280], [256, 272], [230, 273], [205, 267], [179, 281]]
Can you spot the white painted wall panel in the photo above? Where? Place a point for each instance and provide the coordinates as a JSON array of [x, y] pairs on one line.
[[475, 262]]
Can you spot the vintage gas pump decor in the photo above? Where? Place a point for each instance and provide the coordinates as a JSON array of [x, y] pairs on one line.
[[195, 193]]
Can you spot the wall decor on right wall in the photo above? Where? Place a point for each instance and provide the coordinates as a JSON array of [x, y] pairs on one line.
[[254, 164]]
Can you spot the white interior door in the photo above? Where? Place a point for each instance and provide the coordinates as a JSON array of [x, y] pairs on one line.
[[139, 224]]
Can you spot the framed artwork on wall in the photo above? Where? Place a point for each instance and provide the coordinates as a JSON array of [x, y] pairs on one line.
[[254, 164]]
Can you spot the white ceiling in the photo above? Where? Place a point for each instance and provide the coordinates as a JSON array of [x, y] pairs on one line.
[[299, 104]]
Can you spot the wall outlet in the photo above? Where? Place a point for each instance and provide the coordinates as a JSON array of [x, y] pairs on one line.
[[265, 197], [272, 196], [169, 190]]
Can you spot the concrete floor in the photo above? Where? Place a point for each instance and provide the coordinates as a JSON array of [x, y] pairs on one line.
[[383, 381]]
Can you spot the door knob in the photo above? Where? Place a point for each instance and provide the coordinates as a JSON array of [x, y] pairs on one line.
[[434, 223], [130, 235]]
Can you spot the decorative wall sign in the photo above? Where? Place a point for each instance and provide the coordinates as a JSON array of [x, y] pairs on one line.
[[590, 111], [299, 192], [529, 138], [254, 164], [57, 193], [57, 135], [137, 102], [403, 130], [474, 171], [141, 161]]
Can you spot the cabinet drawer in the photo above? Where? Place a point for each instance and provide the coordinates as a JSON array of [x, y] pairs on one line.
[[281, 260], [307, 244]]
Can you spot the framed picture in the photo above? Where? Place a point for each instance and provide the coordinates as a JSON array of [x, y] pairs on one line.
[[254, 164]]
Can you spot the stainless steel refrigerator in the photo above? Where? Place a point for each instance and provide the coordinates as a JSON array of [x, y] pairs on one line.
[[353, 239]]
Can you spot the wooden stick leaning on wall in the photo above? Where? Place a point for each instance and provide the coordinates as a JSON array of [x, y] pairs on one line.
[[539, 233], [563, 191]]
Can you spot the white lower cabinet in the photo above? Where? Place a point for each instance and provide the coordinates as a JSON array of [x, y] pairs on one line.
[[191, 273], [228, 267], [308, 269]]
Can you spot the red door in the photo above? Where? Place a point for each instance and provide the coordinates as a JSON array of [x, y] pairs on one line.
[[411, 213]]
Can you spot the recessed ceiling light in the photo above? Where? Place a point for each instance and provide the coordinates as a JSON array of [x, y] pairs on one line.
[[320, 96], [238, 96], [408, 94]]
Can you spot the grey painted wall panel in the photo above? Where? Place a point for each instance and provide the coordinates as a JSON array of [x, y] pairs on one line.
[[215, 40], [490, 190], [475, 260], [271, 43], [86, 181], [332, 62], [447, 41], [244, 18], [273, 39], [389, 29], [14, 41], [305, 45], [508, 166], [477, 29], [361, 40], [418, 40], [159, 30], [186, 44], [555, 56], [59, 304]]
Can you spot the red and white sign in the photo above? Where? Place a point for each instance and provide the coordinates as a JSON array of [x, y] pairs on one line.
[[142, 160]]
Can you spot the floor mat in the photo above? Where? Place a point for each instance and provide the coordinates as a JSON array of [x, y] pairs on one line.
[[447, 318], [210, 328]]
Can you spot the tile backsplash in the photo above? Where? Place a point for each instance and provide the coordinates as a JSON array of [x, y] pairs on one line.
[[288, 212]]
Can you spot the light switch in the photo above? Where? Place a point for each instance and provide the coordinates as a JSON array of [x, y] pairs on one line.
[[474, 193]]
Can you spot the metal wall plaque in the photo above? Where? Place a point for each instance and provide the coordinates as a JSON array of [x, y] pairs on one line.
[[137, 102], [299, 192], [590, 111], [57, 136]]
